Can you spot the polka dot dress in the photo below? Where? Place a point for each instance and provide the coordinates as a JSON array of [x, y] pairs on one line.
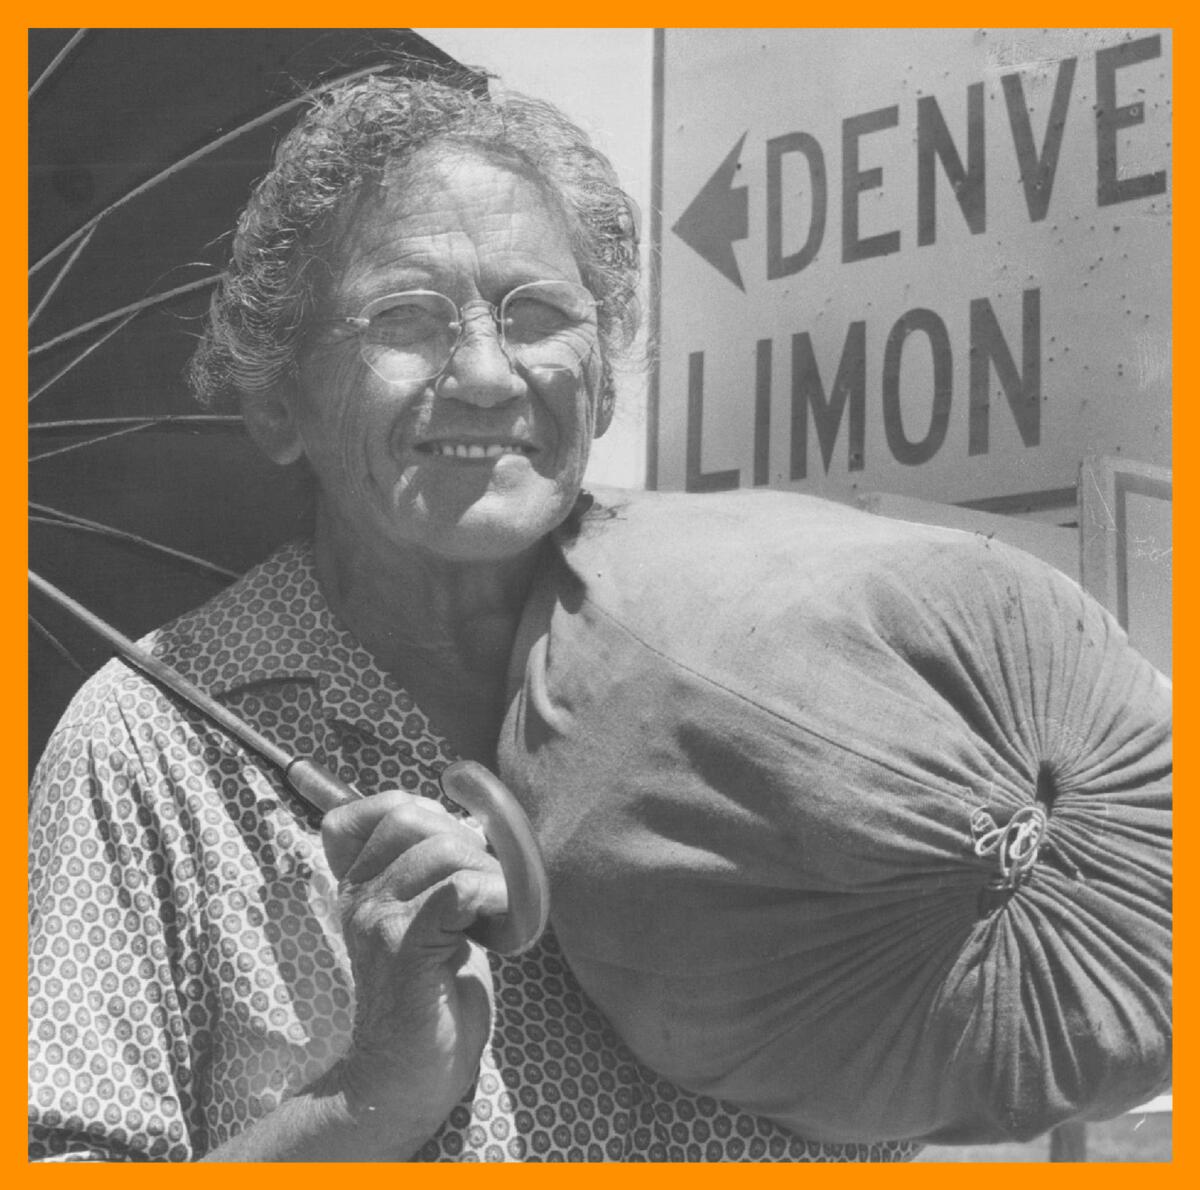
[[186, 968]]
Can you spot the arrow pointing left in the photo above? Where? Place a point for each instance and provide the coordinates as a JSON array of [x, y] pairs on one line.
[[718, 216]]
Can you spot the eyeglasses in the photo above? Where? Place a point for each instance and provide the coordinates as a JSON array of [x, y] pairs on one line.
[[406, 338]]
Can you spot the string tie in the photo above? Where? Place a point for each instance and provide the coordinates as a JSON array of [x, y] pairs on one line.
[[1015, 844]]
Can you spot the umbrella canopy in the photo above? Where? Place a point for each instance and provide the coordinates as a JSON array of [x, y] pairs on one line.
[[144, 144]]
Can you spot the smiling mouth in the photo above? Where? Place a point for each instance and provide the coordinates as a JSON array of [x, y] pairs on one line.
[[475, 450]]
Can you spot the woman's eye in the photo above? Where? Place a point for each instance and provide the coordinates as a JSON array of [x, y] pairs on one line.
[[405, 321], [529, 318], [402, 312]]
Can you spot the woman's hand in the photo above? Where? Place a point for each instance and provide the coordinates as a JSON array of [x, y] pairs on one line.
[[412, 878]]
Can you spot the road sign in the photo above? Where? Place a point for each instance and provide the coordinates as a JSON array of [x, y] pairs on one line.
[[930, 262]]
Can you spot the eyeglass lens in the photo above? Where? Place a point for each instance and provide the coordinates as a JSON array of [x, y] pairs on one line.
[[411, 336]]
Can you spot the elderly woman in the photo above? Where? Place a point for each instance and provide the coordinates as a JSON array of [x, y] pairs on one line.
[[425, 295], [863, 827]]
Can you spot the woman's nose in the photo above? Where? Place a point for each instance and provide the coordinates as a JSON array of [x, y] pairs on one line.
[[480, 371]]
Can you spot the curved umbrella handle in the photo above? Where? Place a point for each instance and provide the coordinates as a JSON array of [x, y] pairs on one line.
[[488, 800], [469, 784]]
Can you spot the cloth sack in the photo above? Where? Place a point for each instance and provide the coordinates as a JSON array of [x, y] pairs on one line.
[[859, 824]]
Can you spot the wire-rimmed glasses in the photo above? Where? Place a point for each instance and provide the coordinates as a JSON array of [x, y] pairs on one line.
[[410, 337]]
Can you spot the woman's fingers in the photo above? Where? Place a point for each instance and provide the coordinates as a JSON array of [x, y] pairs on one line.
[[405, 863], [455, 874], [363, 838]]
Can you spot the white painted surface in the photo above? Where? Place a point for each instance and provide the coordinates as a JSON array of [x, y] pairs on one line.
[[1101, 271], [601, 78]]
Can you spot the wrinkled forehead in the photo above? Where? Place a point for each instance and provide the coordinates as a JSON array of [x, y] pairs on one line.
[[428, 169], [446, 193]]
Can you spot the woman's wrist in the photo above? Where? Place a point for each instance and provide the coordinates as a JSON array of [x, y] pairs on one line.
[[372, 1097], [342, 1116]]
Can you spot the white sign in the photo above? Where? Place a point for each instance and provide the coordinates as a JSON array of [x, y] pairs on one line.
[[931, 262]]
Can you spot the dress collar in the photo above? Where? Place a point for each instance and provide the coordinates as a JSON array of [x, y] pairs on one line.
[[274, 624]]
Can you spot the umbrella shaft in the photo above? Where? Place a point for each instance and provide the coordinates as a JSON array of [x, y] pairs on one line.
[[477, 790], [161, 673]]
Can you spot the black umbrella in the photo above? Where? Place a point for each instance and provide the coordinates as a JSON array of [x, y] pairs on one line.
[[144, 144]]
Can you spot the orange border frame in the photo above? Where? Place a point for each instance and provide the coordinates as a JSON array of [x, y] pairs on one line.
[[12, 483]]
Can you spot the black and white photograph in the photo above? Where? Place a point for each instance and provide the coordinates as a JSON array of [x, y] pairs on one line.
[[600, 595]]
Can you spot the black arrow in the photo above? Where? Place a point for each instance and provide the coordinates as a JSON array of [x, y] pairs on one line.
[[717, 216]]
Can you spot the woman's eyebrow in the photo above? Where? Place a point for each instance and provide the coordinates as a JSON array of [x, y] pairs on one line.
[[519, 268], [371, 284]]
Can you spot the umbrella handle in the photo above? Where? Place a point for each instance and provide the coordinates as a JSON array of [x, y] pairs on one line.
[[487, 799], [490, 802], [317, 786], [469, 784]]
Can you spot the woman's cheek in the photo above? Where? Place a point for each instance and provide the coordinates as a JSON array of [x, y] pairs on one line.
[[338, 402]]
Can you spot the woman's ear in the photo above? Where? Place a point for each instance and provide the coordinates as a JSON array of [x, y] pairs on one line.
[[272, 424], [606, 399]]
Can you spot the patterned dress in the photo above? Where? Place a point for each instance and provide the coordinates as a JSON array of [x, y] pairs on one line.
[[187, 970]]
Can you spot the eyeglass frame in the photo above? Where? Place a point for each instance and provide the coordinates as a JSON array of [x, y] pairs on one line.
[[361, 322]]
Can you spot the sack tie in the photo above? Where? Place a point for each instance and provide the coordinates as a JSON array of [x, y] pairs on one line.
[[1015, 844]]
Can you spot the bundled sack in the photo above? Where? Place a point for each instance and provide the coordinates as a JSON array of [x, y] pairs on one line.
[[859, 824]]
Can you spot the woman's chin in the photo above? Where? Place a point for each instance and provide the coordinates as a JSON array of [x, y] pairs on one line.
[[498, 522]]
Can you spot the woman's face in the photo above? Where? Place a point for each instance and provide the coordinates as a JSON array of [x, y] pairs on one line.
[[483, 462]]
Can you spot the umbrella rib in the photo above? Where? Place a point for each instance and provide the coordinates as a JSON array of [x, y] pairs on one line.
[[45, 298], [56, 644], [62, 450], [156, 299], [56, 61], [68, 520], [203, 151], [104, 338], [88, 423], [128, 425]]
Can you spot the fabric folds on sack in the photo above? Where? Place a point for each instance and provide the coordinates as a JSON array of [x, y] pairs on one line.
[[862, 825]]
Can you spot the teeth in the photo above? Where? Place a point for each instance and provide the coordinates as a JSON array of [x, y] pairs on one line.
[[474, 450]]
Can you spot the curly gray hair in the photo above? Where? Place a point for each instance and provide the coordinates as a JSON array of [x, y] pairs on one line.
[[352, 132]]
